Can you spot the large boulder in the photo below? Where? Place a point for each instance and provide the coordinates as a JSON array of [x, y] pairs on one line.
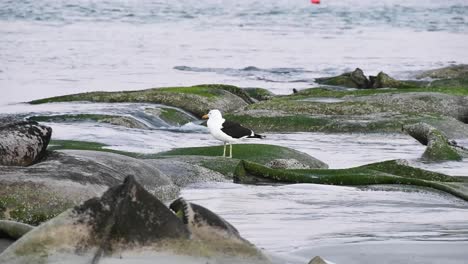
[[23, 143], [128, 224], [65, 178]]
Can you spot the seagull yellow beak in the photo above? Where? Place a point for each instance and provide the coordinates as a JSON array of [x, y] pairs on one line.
[[205, 117]]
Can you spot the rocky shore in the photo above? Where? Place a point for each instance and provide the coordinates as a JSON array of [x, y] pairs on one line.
[[107, 204]]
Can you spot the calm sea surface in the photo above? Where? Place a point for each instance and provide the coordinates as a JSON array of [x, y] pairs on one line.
[[52, 47]]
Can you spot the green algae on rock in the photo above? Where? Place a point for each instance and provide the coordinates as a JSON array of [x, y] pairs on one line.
[[389, 172], [449, 72], [439, 148], [260, 153], [194, 99], [259, 94], [357, 79], [175, 117], [368, 110]]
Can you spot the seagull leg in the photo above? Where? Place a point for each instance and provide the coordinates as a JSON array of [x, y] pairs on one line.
[[224, 153], [230, 150]]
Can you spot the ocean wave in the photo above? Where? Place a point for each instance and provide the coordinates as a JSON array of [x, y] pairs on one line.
[[279, 75], [450, 15]]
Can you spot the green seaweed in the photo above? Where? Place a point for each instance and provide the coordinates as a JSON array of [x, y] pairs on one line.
[[378, 173], [438, 148], [339, 93], [260, 153]]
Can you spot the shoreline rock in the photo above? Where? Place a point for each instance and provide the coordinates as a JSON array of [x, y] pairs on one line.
[[127, 222], [23, 143]]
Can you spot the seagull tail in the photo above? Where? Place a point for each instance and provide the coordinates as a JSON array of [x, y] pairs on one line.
[[257, 136]]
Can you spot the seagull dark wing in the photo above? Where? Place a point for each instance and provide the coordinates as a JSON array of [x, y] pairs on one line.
[[235, 130]]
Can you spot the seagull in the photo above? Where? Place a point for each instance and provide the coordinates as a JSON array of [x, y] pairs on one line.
[[227, 131]]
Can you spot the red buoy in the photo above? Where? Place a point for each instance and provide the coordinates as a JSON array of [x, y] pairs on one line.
[[315, 1]]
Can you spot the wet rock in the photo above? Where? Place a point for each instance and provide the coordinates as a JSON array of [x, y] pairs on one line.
[[204, 224], [358, 77], [317, 260], [370, 110], [209, 157], [383, 80], [344, 80], [197, 100], [23, 143], [439, 148], [117, 120], [185, 171], [171, 116], [286, 164], [13, 230], [65, 178], [387, 172], [259, 94], [127, 223], [454, 71]]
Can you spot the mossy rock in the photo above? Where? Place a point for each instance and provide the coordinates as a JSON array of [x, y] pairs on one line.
[[449, 72], [453, 83], [259, 94], [260, 153], [365, 110], [343, 80], [30, 203], [357, 79], [439, 148], [340, 93], [194, 99], [389, 172], [124, 121], [175, 117]]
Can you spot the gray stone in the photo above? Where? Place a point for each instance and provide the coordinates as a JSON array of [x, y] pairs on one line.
[[358, 77], [128, 223], [453, 71], [13, 230], [317, 260], [65, 178], [23, 143]]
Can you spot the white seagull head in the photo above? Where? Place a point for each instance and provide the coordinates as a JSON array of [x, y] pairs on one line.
[[213, 114]]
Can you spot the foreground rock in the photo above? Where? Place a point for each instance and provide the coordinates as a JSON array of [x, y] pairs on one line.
[[439, 148], [317, 260], [65, 178], [13, 230], [128, 224], [23, 143]]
